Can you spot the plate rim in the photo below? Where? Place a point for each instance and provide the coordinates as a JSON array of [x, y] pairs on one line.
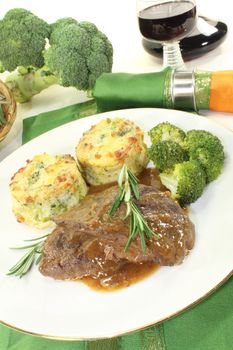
[[121, 333], [175, 111], [66, 338]]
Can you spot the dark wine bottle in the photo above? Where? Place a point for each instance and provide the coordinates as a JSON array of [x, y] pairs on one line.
[[207, 35]]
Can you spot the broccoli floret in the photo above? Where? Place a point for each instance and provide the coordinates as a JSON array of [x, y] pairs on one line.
[[23, 38], [165, 154], [57, 28], [166, 131], [77, 54], [186, 181], [208, 150]]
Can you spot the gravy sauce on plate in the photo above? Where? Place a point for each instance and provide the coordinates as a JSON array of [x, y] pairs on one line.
[[130, 273]]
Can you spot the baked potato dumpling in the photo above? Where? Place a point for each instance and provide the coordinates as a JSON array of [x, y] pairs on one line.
[[108, 145], [47, 186]]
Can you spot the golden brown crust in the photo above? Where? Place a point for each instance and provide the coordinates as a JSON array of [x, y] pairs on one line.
[[106, 146], [44, 187]]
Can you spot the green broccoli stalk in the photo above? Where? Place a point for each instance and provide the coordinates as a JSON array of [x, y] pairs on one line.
[[165, 154], [27, 82], [76, 54], [166, 131], [208, 150], [186, 181]]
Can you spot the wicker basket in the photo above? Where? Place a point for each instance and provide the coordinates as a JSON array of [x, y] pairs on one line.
[[9, 110]]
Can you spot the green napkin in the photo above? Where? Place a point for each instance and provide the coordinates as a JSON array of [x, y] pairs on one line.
[[206, 326], [124, 90], [35, 126]]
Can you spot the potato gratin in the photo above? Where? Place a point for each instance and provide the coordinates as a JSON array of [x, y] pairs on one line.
[[47, 186]]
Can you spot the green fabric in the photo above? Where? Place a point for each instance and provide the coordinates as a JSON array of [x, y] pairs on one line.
[[122, 90], [202, 89], [206, 326], [35, 126]]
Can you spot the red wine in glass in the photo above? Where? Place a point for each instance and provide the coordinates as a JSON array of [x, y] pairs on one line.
[[207, 36], [167, 22]]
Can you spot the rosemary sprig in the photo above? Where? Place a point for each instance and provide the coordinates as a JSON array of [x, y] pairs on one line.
[[32, 256], [127, 193], [2, 117]]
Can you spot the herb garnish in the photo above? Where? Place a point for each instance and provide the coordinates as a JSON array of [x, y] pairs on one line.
[[2, 117], [32, 256], [127, 193]]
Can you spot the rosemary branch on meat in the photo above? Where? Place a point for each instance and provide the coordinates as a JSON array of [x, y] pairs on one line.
[[32, 256], [128, 192]]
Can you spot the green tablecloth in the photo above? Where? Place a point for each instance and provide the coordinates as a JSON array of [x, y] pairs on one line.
[[206, 326]]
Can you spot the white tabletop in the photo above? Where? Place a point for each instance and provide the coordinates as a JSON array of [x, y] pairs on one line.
[[118, 20]]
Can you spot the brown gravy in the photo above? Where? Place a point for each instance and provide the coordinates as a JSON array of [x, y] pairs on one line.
[[130, 273], [149, 177]]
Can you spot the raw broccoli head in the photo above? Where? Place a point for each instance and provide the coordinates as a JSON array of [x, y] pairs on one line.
[[208, 150], [186, 181], [166, 131], [57, 28], [165, 154], [23, 38], [79, 53]]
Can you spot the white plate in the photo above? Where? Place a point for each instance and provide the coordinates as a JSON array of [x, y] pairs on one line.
[[71, 310]]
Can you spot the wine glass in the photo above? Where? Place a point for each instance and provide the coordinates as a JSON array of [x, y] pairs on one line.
[[167, 22]]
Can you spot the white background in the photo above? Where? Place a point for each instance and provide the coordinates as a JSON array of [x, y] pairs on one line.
[[118, 20]]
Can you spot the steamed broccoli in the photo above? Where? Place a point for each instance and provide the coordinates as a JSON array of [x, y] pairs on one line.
[[207, 149], [165, 154], [76, 54], [186, 181], [187, 161], [166, 131]]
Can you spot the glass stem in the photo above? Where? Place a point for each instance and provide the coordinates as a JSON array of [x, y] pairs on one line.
[[172, 56]]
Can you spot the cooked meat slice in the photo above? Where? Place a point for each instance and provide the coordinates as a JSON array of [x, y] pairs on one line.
[[163, 214], [71, 254], [87, 242]]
